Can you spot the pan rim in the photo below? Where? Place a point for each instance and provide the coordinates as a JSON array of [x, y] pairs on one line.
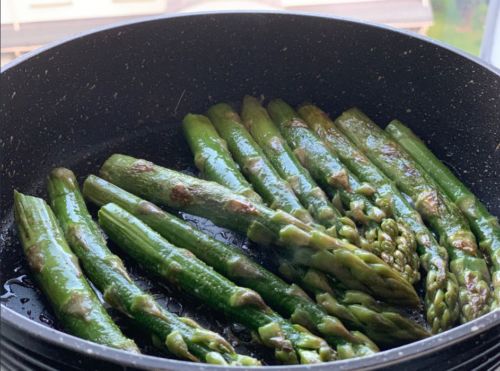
[[124, 358], [133, 21], [386, 358]]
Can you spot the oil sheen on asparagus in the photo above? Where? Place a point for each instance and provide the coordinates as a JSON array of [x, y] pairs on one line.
[[277, 193], [212, 156]]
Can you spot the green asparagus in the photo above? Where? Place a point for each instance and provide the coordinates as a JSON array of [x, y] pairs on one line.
[[57, 271], [257, 115], [411, 330], [178, 266], [466, 261], [328, 171], [181, 336], [483, 224], [382, 323], [441, 288], [353, 266], [212, 157], [288, 300], [274, 190], [272, 145], [382, 236]]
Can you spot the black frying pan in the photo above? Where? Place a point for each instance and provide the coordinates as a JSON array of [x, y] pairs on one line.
[[125, 89]]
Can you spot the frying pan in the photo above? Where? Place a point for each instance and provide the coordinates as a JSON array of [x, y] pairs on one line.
[[125, 89]]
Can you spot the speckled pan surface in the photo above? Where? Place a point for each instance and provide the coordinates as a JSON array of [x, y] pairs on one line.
[[125, 88]]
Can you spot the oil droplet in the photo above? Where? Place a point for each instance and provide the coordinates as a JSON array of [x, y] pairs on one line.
[[22, 280], [43, 317]]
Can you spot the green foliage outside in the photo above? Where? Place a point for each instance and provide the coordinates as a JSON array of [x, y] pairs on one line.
[[459, 23]]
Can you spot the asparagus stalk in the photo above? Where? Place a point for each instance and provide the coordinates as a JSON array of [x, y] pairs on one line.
[[58, 273], [441, 288], [289, 300], [466, 261], [181, 336], [259, 223], [267, 141], [382, 323], [212, 157], [384, 237], [483, 224], [180, 267]]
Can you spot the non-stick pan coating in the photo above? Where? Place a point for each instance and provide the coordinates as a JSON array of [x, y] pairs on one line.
[[125, 90]]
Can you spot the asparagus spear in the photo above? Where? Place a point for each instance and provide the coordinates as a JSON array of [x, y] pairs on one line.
[[181, 336], [277, 154], [178, 266], [353, 266], [382, 323], [57, 271], [441, 289], [466, 261], [384, 237], [289, 300], [483, 224], [212, 157]]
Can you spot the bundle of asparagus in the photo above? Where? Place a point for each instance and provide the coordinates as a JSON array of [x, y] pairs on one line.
[[356, 308], [58, 273], [484, 225], [271, 176], [212, 158], [259, 125], [228, 123], [392, 241], [441, 289], [226, 259], [356, 268], [278, 194], [466, 261], [291, 343], [182, 336], [328, 171]]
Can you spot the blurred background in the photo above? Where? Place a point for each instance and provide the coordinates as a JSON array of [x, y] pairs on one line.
[[471, 25]]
